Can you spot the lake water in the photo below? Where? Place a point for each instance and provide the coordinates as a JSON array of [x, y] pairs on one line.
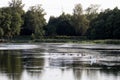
[[59, 61]]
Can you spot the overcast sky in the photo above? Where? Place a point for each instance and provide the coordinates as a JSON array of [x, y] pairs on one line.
[[55, 7]]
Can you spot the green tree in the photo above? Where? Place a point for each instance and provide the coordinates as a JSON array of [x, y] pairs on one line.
[[1, 32], [79, 20], [16, 24], [5, 20], [11, 18], [106, 25], [17, 6], [35, 21], [60, 26], [50, 28], [92, 12], [64, 26]]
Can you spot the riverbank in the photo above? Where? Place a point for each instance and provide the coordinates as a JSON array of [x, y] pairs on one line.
[[60, 39], [106, 41]]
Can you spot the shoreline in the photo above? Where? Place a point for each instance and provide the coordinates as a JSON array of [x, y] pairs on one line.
[[102, 41]]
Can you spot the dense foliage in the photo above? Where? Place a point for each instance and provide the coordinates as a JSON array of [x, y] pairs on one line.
[[34, 22], [60, 26], [106, 25], [11, 19], [71, 25], [14, 21]]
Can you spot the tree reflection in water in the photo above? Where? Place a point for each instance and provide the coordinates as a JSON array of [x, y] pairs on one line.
[[14, 62], [11, 64], [58, 63]]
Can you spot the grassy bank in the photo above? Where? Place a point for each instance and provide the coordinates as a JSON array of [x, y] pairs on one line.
[[106, 41], [62, 39]]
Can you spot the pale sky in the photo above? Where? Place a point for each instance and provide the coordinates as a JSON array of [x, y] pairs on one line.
[[55, 7]]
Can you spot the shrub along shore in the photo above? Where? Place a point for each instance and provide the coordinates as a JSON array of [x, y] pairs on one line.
[[60, 39]]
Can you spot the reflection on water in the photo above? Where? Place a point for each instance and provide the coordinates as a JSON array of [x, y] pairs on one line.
[[59, 62]]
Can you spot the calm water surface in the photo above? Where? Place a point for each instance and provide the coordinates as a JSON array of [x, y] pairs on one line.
[[58, 61]]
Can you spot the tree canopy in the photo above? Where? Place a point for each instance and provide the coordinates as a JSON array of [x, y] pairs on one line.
[[14, 21], [34, 21], [10, 19], [106, 25]]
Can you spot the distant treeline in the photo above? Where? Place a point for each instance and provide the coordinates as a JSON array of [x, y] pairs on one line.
[[14, 21]]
